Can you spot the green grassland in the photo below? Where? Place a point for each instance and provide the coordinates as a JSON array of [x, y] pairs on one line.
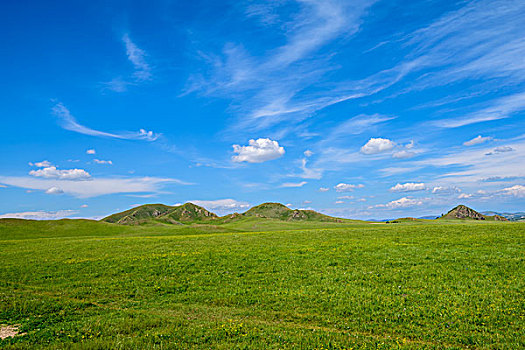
[[263, 284]]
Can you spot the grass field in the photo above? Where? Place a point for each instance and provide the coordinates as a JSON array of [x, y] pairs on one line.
[[90, 285]]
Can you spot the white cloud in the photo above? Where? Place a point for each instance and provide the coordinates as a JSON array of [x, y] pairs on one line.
[[268, 87], [500, 149], [468, 166], [94, 187], [309, 173], [39, 215], [222, 205], [342, 187], [339, 202], [408, 187], [465, 196], [98, 161], [54, 190], [68, 174], [444, 190], [477, 140], [377, 145], [401, 203], [516, 191], [69, 122], [324, 189], [403, 154], [41, 164], [91, 151], [308, 153], [345, 197], [353, 126], [503, 149], [258, 151], [84, 206], [137, 57], [294, 184], [500, 109]]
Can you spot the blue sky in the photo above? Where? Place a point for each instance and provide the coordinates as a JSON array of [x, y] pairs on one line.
[[360, 109]]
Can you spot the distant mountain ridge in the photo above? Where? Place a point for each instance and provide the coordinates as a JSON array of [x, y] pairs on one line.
[[519, 216]]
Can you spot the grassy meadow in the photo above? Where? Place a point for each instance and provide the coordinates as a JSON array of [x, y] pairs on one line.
[[74, 284]]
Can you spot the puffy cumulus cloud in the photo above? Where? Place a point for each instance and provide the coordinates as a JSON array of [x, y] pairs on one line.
[[39, 215], [294, 184], [222, 205], [516, 191], [98, 161], [41, 164], [94, 187], [54, 190], [403, 154], [401, 203], [377, 145], [477, 140], [258, 151], [408, 187], [342, 187], [308, 153], [68, 174], [324, 189], [91, 151]]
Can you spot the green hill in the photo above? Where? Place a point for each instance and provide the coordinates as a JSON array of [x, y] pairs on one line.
[[191, 213], [282, 212], [188, 212], [161, 213], [139, 214], [462, 212]]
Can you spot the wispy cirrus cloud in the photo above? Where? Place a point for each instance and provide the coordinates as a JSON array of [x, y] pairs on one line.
[[293, 184], [142, 69], [137, 57], [501, 108], [40, 215], [69, 122], [267, 90], [93, 187], [477, 140]]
